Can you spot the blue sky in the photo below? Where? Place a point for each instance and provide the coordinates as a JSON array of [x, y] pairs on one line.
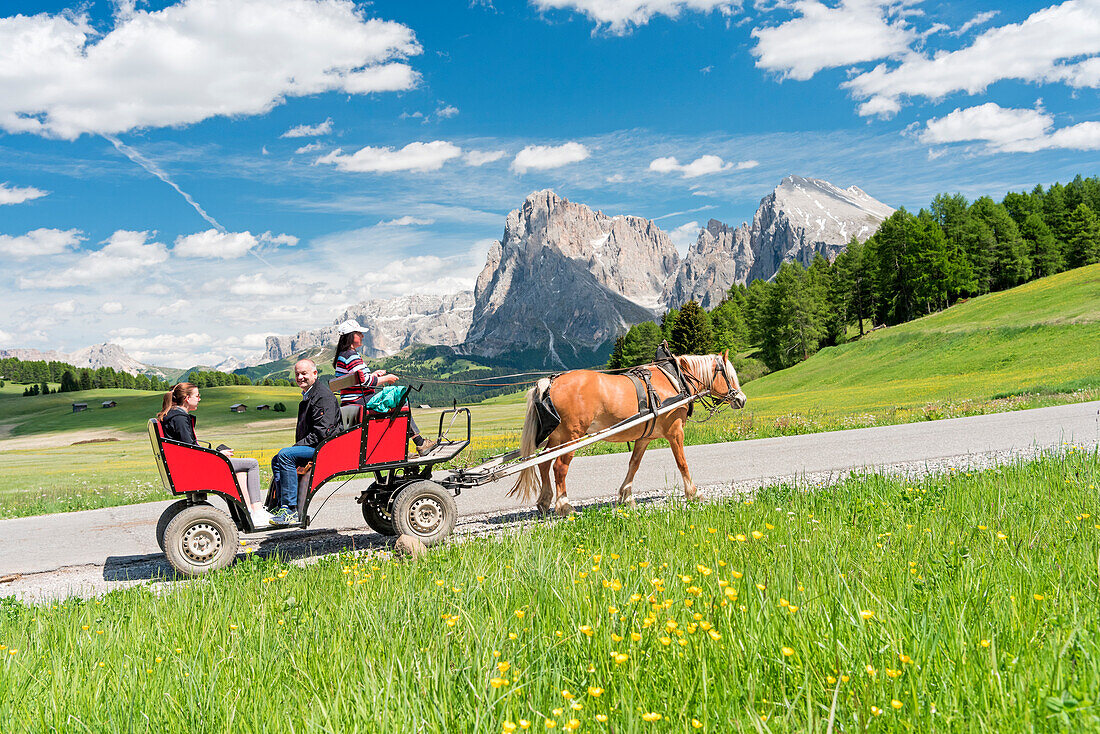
[[184, 178]]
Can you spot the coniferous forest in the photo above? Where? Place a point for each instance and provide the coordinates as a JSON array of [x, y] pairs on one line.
[[914, 265]]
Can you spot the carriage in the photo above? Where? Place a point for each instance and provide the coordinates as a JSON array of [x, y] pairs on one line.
[[404, 497]]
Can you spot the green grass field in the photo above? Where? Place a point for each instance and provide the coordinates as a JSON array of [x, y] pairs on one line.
[[958, 603], [1029, 347]]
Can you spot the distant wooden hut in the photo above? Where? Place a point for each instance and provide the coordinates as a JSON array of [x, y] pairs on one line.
[[238, 408], [79, 407], [424, 407], [265, 406], [109, 404]]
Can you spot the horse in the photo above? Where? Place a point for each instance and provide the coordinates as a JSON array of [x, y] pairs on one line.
[[588, 401]]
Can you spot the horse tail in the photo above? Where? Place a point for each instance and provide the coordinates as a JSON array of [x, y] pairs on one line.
[[528, 481]]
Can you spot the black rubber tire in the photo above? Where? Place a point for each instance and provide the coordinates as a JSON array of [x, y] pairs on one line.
[[200, 539], [377, 518], [425, 511], [166, 517]]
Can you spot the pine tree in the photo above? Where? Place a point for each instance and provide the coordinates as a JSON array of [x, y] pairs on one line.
[[1044, 249], [1083, 242], [640, 343], [692, 333], [1009, 263], [891, 248], [793, 320], [668, 321], [68, 382], [615, 361], [852, 283]]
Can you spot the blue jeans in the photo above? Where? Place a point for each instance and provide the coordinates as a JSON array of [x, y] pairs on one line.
[[284, 466]]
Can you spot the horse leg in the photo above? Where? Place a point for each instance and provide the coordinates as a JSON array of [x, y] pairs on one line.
[[545, 492], [676, 441], [626, 491], [561, 468]]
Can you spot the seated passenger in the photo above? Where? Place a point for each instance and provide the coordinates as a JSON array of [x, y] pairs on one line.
[[318, 419], [179, 425], [348, 361]]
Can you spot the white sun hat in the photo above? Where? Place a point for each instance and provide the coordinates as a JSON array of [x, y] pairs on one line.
[[349, 326]]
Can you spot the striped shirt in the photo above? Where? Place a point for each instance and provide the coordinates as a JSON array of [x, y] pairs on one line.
[[350, 362]]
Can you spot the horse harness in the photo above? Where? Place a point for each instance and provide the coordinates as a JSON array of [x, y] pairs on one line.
[[647, 396]]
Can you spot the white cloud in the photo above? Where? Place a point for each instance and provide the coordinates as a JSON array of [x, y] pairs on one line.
[[413, 157], [701, 166], [65, 308], [212, 243], [620, 16], [5, 337], [615, 178], [406, 221], [481, 157], [125, 255], [40, 242], [446, 111], [542, 157], [824, 37], [977, 20], [111, 307], [1009, 130], [309, 131], [258, 285], [684, 236], [191, 61], [988, 122], [175, 308], [226, 245], [1030, 51], [16, 195], [310, 148], [279, 239]]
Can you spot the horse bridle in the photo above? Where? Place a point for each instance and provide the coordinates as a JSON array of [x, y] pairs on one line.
[[711, 401]]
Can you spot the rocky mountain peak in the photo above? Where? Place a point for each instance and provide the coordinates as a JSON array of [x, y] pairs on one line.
[[800, 218], [564, 280], [392, 324]]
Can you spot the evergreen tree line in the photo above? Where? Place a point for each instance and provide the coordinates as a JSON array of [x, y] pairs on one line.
[[913, 265], [213, 378], [38, 372]]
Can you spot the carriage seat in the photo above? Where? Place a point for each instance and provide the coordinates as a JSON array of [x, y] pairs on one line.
[[156, 433], [351, 416]]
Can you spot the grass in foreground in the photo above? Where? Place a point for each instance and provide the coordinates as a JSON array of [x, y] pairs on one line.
[[959, 603]]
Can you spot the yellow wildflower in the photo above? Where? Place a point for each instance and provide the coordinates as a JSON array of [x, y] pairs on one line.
[[498, 682], [651, 716], [984, 643], [587, 630], [787, 651], [896, 704], [602, 718], [595, 692], [866, 613]]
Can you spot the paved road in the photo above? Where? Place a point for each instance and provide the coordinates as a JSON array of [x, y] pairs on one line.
[[115, 541]]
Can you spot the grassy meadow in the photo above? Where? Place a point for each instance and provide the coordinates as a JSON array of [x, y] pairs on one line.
[[962, 602]]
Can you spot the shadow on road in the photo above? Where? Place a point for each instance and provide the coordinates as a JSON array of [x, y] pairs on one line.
[[288, 546], [297, 544]]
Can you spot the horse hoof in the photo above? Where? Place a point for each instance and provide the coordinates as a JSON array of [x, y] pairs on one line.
[[565, 509]]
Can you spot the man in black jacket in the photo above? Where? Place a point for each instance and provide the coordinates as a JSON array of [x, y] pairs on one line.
[[318, 418]]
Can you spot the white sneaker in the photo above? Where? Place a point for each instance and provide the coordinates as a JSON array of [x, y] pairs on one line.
[[260, 518]]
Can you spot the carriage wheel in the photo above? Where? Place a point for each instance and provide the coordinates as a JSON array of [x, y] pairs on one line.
[[378, 519], [200, 539], [425, 511], [166, 517]]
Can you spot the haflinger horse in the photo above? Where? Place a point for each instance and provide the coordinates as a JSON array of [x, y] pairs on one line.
[[589, 401]]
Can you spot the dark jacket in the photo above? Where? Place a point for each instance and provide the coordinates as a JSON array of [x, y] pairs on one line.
[[179, 425], [318, 415]]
